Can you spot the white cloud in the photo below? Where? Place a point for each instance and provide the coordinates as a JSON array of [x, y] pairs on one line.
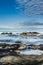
[[31, 7]]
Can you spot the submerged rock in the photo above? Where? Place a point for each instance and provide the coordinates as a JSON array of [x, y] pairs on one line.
[[5, 40], [18, 42], [12, 35]]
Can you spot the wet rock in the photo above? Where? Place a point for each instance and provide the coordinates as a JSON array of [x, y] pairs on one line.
[[12, 35], [12, 49], [29, 33], [40, 47], [23, 60], [10, 59], [0, 63], [6, 33], [5, 40], [13, 46], [18, 41], [3, 45], [21, 46], [2, 54], [33, 47]]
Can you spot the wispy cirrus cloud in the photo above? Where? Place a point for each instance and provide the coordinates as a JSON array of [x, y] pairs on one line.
[[30, 7]]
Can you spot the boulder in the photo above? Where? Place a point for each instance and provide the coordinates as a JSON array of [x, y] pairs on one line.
[[10, 59], [21, 46], [23, 60]]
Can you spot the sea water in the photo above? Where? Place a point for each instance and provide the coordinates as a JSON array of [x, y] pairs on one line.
[[36, 40]]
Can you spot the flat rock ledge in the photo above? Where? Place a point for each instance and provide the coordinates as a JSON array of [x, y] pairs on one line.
[[22, 60]]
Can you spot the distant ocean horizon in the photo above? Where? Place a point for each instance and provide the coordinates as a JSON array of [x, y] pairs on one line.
[[37, 28]]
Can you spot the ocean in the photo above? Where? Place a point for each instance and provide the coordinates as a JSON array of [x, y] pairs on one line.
[[36, 40]]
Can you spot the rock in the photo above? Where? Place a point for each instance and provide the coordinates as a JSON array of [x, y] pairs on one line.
[[10, 59], [29, 33], [5, 40], [17, 52], [21, 46], [3, 45], [7, 33], [18, 42], [40, 47], [12, 35], [12, 49], [23, 60], [14, 46]]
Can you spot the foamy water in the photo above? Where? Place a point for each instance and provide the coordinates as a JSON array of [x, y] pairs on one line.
[[26, 40]]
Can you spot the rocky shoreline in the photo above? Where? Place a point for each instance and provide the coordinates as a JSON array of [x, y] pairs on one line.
[[10, 53], [22, 34], [19, 46], [22, 60], [29, 33]]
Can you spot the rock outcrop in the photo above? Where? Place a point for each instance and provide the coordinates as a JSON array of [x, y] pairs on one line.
[[6, 33], [7, 49], [22, 60], [29, 33]]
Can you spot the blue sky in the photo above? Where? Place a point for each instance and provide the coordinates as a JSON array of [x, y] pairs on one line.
[[17, 12]]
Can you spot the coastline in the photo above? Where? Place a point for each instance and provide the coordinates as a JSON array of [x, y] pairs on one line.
[[13, 51]]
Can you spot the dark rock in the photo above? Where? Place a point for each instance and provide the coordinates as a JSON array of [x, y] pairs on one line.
[[18, 41], [23, 60], [5, 40], [12, 49], [29, 33], [40, 47], [6, 33]]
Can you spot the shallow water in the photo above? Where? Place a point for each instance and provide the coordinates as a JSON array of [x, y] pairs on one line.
[[31, 52], [26, 40], [36, 40]]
